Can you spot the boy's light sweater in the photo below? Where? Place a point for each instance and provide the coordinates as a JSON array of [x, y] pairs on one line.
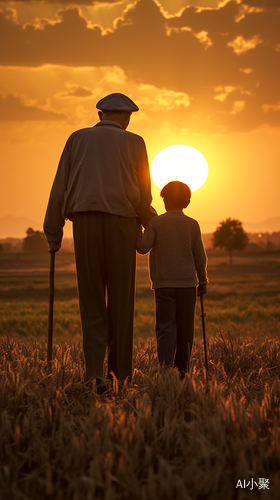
[[178, 256]]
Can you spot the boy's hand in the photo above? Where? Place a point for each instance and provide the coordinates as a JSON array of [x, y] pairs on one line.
[[201, 290], [54, 246]]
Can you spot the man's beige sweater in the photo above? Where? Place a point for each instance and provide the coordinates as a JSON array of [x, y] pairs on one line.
[[177, 258]]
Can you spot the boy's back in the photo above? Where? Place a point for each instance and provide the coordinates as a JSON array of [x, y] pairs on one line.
[[177, 253]]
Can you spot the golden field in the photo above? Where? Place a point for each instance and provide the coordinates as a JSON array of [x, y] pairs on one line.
[[214, 437]]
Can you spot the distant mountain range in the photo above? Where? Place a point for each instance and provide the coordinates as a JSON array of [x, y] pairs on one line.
[[266, 226], [15, 227]]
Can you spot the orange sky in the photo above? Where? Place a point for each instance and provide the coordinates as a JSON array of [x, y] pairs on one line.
[[206, 75]]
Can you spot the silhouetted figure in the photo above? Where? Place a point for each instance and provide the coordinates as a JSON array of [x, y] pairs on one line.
[[102, 184], [177, 259]]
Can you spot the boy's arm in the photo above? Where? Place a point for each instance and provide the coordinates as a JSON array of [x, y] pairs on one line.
[[200, 259], [146, 240]]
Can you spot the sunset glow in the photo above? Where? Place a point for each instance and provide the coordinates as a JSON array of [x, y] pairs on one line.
[[204, 73], [179, 163]]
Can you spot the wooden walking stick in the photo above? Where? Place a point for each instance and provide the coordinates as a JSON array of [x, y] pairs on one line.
[[204, 332], [51, 300]]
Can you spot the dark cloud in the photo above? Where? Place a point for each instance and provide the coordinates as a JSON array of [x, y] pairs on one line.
[[61, 2], [217, 22], [13, 109], [266, 4], [230, 52], [80, 92], [68, 42]]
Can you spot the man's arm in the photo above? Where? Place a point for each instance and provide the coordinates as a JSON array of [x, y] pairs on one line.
[[54, 221], [145, 211]]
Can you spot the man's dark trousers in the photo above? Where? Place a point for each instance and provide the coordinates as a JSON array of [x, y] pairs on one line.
[[105, 261]]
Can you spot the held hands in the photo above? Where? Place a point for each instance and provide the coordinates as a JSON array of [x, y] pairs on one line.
[[201, 290], [54, 246], [138, 226]]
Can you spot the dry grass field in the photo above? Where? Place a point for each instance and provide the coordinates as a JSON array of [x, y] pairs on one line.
[[156, 438]]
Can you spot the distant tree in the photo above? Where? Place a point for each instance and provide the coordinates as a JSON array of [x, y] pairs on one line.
[[35, 242], [230, 235]]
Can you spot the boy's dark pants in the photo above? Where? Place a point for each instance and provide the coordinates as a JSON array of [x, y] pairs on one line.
[[105, 261], [175, 310]]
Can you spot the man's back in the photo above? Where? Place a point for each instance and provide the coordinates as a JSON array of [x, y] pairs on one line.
[[105, 162]]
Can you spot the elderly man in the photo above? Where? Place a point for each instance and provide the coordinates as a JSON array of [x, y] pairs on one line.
[[102, 184]]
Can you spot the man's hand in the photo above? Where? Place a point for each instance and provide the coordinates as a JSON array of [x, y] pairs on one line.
[[54, 246], [201, 290]]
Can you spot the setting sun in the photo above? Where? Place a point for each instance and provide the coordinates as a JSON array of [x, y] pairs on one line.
[[179, 163]]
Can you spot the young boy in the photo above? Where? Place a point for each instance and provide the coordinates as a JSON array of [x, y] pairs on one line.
[[177, 259]]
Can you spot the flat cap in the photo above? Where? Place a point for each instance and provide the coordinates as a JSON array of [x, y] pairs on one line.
[[116, 102]]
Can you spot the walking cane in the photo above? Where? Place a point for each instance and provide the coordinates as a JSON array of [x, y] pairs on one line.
[[204, 332], [51, 300]]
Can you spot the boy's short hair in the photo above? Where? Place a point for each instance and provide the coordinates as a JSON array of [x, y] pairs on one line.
[[177, 192]]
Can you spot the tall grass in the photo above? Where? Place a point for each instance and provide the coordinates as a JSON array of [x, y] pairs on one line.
[[155, 438]]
